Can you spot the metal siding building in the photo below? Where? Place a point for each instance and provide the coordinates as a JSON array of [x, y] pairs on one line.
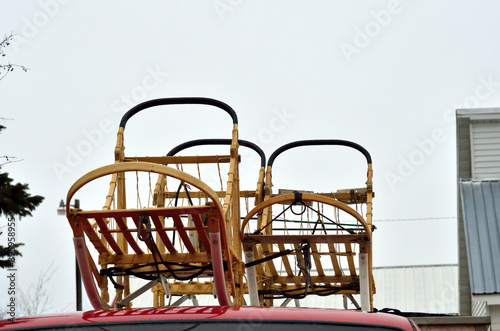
[[478, 172], [429, 289], [478, 153], [481, 206]]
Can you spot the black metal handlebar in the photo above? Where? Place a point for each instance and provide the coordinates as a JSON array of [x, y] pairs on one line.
[[316, 143], [178, 101], [201, 142]]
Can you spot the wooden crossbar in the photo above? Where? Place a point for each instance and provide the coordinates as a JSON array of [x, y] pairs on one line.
[[166, 211], [135, 259], [251, 239], [345, 279], [182, 159]]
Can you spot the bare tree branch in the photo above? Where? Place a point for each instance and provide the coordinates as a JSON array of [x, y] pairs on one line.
[[9, 159], [36, 300], [7, 68]]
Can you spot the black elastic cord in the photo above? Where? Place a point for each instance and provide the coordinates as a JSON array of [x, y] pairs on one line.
[[318, 290], [297, 197], [265, 226], [306, 269], [148, 275], [186, 188], [331, 221], [274, 256], [269, 258], [144, 220]]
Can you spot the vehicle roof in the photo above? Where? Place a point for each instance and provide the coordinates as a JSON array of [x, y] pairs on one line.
[[210, 313]]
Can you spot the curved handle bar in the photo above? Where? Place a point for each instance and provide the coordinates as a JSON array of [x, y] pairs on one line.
[[317, 142], [178, 101], [200, 142]]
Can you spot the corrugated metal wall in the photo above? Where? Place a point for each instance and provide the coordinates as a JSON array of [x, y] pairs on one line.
[[481, 205], [430, 289]]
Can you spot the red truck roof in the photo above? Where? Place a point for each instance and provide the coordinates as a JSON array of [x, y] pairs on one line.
[[214, 318]]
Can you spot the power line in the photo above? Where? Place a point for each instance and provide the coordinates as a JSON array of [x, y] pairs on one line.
[[414, 219]]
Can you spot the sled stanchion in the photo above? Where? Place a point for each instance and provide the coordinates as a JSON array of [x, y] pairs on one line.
[[364, 282], [252, 279]]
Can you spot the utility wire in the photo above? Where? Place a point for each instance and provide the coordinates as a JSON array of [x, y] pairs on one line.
[[415, 219]]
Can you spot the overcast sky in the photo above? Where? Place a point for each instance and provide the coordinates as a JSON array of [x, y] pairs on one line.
[[385, 74]]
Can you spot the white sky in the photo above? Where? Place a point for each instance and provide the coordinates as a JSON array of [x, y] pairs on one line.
[[385, 74]]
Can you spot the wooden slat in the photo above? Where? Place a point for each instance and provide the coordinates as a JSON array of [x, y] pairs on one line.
[[163, 235], [286, 261], [350, 259], [335, 262], [317, 259], [183, 234], [202, 233], [130, 240], [99, 244], [108, 236]]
